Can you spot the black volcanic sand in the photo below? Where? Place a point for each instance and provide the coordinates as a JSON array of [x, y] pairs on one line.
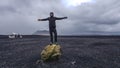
[[78, 52]]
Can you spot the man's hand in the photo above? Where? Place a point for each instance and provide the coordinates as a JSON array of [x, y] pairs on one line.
[[39, 20], [65, 17]]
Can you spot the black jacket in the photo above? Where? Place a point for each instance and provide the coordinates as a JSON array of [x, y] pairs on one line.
[[52, 23]]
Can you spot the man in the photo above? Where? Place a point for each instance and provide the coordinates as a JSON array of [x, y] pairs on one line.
[[52, 26]]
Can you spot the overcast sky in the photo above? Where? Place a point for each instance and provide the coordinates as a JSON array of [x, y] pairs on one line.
[[21, 16]]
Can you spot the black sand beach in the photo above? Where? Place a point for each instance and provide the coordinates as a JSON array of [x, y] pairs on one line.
[[78, 52]]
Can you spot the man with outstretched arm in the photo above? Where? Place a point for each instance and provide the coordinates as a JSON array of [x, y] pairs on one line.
[[52, 26]]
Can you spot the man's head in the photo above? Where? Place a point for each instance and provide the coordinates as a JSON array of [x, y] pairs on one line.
[[51, 14]]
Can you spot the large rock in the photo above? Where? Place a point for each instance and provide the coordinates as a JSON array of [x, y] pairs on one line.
[[51, 52]]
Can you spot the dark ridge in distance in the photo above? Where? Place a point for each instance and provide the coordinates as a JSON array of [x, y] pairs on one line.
[[75, 36]]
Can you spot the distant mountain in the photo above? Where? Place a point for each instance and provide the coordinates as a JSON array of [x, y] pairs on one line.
[[41, 32]]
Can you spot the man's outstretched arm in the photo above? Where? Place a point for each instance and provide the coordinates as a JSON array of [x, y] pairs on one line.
[[43, 19], [60, 18]]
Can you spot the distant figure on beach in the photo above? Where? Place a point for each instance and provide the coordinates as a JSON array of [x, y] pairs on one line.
[[52, 26]]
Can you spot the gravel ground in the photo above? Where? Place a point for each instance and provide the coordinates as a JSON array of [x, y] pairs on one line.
[[78, 52]]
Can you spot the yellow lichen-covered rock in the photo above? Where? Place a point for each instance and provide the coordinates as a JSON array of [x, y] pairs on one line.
[[51, 52]]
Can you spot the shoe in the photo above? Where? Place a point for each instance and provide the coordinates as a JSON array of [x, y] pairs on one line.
[[51, 43], [56, 43]]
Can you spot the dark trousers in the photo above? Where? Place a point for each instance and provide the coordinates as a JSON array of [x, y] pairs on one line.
[[53, 35]]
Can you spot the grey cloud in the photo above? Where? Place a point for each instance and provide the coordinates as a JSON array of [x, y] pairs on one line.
[[21, 16]]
